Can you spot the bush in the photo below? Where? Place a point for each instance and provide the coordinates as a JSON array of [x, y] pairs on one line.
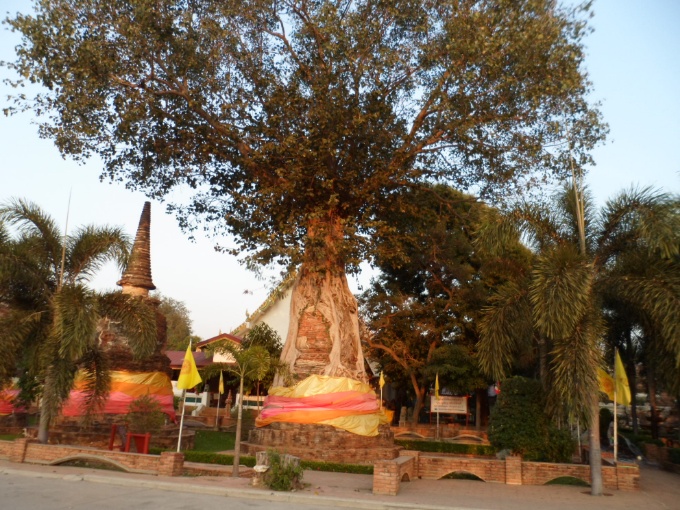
[[145, 415], [284, 474], [518, 423], [443, 447], [674, 455], [606, 417]]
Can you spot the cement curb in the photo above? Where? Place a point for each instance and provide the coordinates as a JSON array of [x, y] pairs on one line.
[[263, 495]]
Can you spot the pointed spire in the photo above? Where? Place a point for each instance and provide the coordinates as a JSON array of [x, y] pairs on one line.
[[136, 279]]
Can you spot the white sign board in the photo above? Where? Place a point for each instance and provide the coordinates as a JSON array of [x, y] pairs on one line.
[[450, 405]]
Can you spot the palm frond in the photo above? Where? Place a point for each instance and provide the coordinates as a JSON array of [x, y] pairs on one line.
[[76, 315], [95, 376], [135, 318], [31, 220], [655, 290], [574, 369], [58, 384], [505, 325], [561, 291], [89, 248], [643, 218]]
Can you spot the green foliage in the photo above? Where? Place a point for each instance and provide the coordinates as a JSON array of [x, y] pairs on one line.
[[178, 321], [674, 455], [518, 423], [568, 480], [445, 447], [51, 328], [280, 114], [264, 336], [145, 414], [336, 467], [422, 308], [216, 458], [283, 474], [606, 417]]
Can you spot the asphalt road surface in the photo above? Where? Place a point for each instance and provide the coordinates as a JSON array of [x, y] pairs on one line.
[[72, 493]]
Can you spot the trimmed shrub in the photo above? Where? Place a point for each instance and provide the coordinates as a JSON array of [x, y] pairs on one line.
[[443, 447], [285, 472], [518, 423], [145, 415], [674, 455]]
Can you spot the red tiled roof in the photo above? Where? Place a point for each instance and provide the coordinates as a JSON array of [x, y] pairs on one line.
[[177, 358], [221, 336]]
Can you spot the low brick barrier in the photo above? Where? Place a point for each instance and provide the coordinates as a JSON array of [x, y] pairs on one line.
[[29, 451], [387, 475]]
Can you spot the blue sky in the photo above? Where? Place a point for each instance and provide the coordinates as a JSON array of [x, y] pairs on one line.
[[634, 63]]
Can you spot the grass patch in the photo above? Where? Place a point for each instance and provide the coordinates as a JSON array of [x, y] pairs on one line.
[[462, 476], [336, 467], [568, 480], [213, 441], [10, 437], [93, 464]]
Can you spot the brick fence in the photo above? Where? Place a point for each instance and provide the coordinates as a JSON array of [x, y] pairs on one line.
[[388, 474], [29, 451]]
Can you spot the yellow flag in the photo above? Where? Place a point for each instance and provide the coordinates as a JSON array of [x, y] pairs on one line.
[[436, 386], [382, 380], [622, 386], [606, 383], [221, 383], [188, 376]]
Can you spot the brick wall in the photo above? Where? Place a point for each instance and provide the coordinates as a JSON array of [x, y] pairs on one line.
[[31, 452], [5, 448], [388, 474], [512, 471]]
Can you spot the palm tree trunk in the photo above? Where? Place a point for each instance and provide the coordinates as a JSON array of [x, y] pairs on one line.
[[653, 411], [43, 426], [237, 441], [594, 447], [45, 411]]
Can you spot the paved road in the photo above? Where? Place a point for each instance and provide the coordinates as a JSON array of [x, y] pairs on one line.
[[19, 492]]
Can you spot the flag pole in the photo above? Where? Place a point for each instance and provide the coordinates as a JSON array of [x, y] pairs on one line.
[[181, 420], [217, 414], [616, 419]]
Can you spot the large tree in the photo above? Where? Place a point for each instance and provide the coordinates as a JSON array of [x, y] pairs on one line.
[[421, 309], [179, 324], [52, 327], [292, 121]]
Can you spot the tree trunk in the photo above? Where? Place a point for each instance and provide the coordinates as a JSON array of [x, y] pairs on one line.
[[419, 404], [653, 410], [323, 335], [595, 451], [43, 425], [633, 393], [237, 440]]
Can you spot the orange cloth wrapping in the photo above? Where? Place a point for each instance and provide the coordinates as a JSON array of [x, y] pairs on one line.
[[338, 401], [7, 397], [125, 388]]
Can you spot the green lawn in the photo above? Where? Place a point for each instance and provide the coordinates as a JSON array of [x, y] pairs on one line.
[[213, 441], [9, 437]]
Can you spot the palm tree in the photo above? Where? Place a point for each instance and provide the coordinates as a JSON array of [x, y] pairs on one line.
[[577, 263], [51, 328], [249, 364]]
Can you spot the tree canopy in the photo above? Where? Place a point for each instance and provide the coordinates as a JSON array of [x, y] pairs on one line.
[[422, 309], [285, 116]]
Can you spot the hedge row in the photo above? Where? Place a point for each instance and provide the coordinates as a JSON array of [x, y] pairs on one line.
[[443, 447]]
